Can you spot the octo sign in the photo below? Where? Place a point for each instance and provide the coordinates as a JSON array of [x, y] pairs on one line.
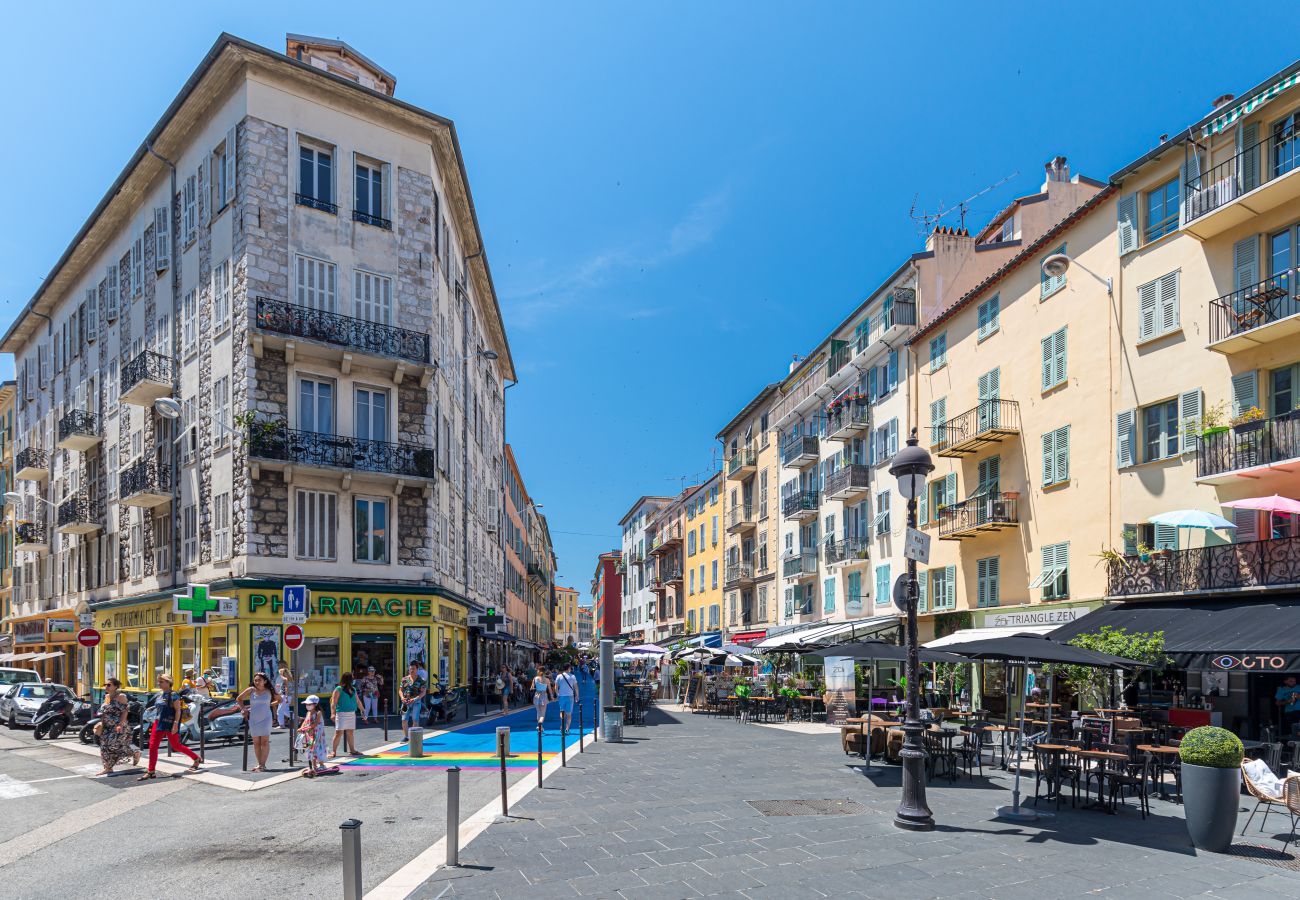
[[1261, 662]]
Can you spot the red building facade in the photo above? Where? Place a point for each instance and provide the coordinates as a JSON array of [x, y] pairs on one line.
[[607, 595]]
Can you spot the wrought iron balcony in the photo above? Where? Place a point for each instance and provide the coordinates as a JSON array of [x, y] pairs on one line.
[[848, 482], [1224, 567], [841, 353], [674, 578], [79, 515], [991, 422], [1264, 170], [146, 484], [1248, 449], [993, 511], [30, 537], [799, 450], [368, 219], [741, 518], [323, 205], [800, 505], [147, 377], [658, 585], [32, 464], [800, 564], [669, 536], [352, 333], [337, 451], [738, 573], [1258, 314], [79, 430], [742, 464], [850, 419], [847, 550]]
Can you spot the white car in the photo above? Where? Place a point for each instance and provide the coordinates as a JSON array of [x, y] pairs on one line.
[[10, 675], [20, 701]]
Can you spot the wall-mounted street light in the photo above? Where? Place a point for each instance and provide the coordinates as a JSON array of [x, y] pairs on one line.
[[1056, 265]]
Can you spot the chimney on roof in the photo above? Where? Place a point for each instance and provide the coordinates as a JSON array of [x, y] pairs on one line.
[[1222, 100], [949, 240], [1058, 169], [794, 362]]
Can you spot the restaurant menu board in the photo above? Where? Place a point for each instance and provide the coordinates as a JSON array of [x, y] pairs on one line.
[[839, 684], [1099, 726], [692, 689]]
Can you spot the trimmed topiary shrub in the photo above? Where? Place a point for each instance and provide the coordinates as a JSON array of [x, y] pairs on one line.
[[1212, 747]]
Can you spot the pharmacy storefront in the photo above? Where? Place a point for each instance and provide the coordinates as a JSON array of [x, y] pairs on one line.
[[349, 629]]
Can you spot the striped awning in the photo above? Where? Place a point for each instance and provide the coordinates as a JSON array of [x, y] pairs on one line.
[[1245, 108]]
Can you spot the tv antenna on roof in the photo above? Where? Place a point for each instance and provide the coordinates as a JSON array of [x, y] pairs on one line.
[[927, 222]]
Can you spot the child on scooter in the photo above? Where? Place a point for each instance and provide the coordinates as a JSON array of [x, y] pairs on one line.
[[311, 736]]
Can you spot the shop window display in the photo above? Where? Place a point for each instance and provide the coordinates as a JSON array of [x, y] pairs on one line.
[[318, 666]]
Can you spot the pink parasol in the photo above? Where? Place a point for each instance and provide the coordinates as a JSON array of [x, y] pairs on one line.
[[1273, 504]]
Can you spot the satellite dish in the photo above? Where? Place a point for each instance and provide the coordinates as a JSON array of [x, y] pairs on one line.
[[1056, 265]]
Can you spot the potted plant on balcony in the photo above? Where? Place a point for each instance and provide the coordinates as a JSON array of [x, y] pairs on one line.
[[1212, 421], [1144, 552], [1211, 759], [1250, 420]]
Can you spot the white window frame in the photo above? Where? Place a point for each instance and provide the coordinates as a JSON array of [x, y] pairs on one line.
[[221, 527], [316, 524], [370, 534], [317, 283], [222, 295]]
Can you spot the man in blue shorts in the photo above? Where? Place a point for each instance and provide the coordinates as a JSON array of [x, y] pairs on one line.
[[412, 693], [566, 690]]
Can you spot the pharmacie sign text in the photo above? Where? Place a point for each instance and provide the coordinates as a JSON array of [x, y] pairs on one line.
[[341, 605]]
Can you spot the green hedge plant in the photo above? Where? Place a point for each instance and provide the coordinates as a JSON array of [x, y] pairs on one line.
[[1212, 747]]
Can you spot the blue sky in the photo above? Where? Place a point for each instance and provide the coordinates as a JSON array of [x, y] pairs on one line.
[[676, 197]]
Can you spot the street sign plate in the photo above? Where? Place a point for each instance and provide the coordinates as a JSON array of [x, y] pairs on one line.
[[917, 546], [295, 604], [88, 637], [293, 637], [295, 619], [86, 620]]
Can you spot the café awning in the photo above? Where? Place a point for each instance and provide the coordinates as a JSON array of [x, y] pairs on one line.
[[1231, 633], [966, 635], [818, 635], [1249, 105]]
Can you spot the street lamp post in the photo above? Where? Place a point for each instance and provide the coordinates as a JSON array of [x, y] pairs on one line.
[[910, 466]]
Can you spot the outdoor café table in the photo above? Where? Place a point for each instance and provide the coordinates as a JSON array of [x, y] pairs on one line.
[[1055, 751], [862, 722], [811, 701], [1042, 705], [1163, 758], [1100, 757], [763, 706], [1006, 731]]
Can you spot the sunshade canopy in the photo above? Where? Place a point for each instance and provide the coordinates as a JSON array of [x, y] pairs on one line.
[[1039, 648], [645, 648], [1191, 518], [1273, 504], [888, 652], [1224, 633]]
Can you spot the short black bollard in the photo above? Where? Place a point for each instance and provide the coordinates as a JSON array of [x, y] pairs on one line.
[[245, 746], [580, 726], [453, 816], [351, 859], [383, 705], [564, 737], [501, 752], [203, 735], [539, 754], [293, 737]]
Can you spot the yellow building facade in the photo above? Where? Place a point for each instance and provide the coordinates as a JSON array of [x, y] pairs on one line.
[[702, 555], [565, 626]]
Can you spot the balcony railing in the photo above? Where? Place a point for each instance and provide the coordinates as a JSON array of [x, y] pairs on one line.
[[1254, 564], [839, 357], [368, 219], [848, 481], [741, 463], [799, 564], [673, 577], [78, 430], [1254, 445], [988, 423], [30, 536], [79, 514], [900, 312], [342, 331], [1246, 311], [853, 549], [323, 205], [800, 504], [991, 512], [738, 572], [146, 478], [741, 517], [848, 420], [32, 464], [147, 377], [338, 451], [801, 448], [1254, 166]]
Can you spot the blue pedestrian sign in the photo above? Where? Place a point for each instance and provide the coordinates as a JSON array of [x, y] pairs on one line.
[[295, 604]]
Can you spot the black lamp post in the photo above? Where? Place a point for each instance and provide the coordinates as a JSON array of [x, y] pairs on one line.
[[910, 466]]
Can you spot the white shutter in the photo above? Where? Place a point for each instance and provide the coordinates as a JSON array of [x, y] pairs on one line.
[[1147, 310], [1245, 391], [1127, 210], [91, 316], [43, 354], [110, 294], [207, 187], [1168, 302], [230, 163], [1125, 438], [1190, 404], [162, 239]]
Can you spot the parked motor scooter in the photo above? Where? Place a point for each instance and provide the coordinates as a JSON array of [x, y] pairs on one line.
[[134, 710], [222, 720], [60, 712]]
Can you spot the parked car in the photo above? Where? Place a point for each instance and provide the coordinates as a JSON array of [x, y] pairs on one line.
[[10, 675], [20, 701]]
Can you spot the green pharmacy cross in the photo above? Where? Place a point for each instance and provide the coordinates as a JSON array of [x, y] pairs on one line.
[[197, 604]]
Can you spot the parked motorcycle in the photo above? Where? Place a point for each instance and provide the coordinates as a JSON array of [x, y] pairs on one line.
[[222, 720], [134, 710], [443, 705], [60, 712]]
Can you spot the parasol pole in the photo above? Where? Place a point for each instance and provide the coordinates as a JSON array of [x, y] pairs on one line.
[[1015, 811]]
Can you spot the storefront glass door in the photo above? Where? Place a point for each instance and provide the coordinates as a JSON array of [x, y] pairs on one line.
[[380, 651]]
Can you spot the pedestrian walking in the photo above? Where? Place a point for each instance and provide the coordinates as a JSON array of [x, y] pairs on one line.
[[542, 691], [311, 736], [167, 720], [260, 698], [505, 687], [412, 691], [114, 728], [343, 706], [284, 687], [566, 692], [368, 688]]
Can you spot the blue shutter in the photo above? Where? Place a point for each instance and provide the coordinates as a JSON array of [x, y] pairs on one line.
[[1062, 454], [1127, 212], [950, 488], [893, 369], [1049, 458], [1166, 537], [950, 587], [1130, 539], [1245, 391], [1190, 404], [922, 591], [923, 506], [872, 391], [1125, 438]]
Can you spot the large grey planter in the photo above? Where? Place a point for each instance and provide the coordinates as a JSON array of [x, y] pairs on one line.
[[1210, 801]]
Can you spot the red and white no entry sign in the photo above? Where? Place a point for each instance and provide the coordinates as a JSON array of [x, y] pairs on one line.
[[88, 637], [293, 637]]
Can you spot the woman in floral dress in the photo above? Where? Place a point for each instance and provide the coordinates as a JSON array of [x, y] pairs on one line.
[[115, 739], [311, 736]]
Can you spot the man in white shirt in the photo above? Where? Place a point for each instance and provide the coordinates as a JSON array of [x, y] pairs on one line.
[[566, 691]]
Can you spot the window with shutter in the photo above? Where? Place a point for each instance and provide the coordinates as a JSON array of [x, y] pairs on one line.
[[989, 589], [372, 299], [988, 316], [1247, 138], [190, 209], [1050, 284], [893, 437], [1190, 404], [162, 239], [110, 294], [1245, 266], [1125, 438], [316, 284], [222, 290], [938, 416], [91, 315], [1127, 213], [1166, 537], [923, 590], [1054, 362], [1245, 391], [938, 352], [137, 266], [1169, 314], [1247, 522]]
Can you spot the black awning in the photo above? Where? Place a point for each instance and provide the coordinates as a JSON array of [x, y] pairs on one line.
[[1232, 633]]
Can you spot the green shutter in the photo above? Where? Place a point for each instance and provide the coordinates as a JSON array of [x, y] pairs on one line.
[[1129, 537], [1049, 457], [923, 505], [923, 591], [1048, 365], [1169, 316], [1127, 211], [1190, 404], [1148, 300], [1051, 283], [950, 488], [1062, 454], [1058, 354], [1125, 438], [950, 587], [1166, 537], [1245, 263], [1245, 391]]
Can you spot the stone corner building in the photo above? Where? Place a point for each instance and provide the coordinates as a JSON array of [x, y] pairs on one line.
[[272, 355]]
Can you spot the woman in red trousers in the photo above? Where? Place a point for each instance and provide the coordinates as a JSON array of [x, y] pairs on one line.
[[167, 705]]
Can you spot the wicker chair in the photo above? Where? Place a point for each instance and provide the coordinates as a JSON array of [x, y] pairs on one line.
[[1289, 801]]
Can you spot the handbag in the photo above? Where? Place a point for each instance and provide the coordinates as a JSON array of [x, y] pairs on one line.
[[99, 728]]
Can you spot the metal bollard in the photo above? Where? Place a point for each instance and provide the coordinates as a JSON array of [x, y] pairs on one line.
[[293, 737], [383, 704], [453, 816], [579, 726], [539, 754], [245, 745], [503, 740], [203, 735], [415, 747], [351, 859], [564, 738], [505, 809]]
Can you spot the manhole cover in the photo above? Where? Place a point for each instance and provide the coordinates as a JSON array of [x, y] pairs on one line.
[[1269, 856], [808, 807]]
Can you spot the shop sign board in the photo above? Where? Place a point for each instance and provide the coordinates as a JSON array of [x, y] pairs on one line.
[[60, 630], [30, 632], [197, 604], [324, 606], [1030, 617]]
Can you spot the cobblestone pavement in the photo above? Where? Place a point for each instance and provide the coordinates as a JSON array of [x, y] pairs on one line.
[[667, 815]]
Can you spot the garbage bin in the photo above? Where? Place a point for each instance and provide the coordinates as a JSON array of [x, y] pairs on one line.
[[613, 724], [503, 740]]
